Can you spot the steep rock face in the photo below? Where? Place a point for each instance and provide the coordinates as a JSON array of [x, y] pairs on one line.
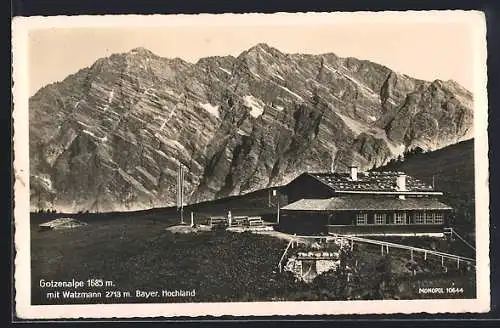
[[432, 116], [111, 136]]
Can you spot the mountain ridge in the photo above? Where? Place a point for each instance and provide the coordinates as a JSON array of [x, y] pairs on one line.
[[111, 135]]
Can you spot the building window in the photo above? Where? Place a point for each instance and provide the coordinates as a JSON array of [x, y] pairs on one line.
[[400, 218], [380, 218], [361, 218], [438, 218], [429, 218], [419, 217]]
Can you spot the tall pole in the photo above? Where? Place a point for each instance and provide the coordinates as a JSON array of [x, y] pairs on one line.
[[278, 214], [180, 191], [179, 187], [182, 204]]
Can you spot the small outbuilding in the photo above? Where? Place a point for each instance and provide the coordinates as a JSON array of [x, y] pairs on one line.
[[61, 223]]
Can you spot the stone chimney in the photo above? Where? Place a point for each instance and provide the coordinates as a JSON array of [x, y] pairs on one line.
[[354, 173], [401, 184]]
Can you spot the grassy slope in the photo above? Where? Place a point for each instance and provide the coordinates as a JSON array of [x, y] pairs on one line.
[[140, 254], [399, 283], [137, 253], [254, 203]]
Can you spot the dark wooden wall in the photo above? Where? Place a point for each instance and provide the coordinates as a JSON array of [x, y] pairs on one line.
[[305, 223], [315, 223]]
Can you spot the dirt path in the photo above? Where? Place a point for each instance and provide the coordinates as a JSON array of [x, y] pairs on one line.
[[276, 234], [288, 237]]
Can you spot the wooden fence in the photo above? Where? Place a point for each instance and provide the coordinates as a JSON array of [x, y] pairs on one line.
[[385, 246]]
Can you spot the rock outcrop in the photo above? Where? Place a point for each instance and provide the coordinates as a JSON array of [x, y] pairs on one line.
[[110, 136]]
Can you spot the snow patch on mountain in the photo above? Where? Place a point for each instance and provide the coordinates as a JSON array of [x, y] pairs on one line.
[[214, 110], [255, 104], [147, 175], [241, 132], [358, 83], [83, 124], [90, 133], [256, 75], [331, 69], [354, 125], [163, 124], [162, 154], [110, 99], [168, 118], [225, 70], [171, 93], [291, 92], [391, 102], [136, 184], [279, 76]]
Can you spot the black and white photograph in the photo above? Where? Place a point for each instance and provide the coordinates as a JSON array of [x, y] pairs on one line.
[[236, 164]]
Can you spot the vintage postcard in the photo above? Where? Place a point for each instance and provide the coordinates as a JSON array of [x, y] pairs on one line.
[[250, 165]]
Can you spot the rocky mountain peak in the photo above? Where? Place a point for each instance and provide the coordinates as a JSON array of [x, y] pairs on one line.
[[262, 47], [141, 51], [111, 137], [261, 50]]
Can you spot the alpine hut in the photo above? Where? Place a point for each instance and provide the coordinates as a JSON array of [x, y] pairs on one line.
[[362, 203]]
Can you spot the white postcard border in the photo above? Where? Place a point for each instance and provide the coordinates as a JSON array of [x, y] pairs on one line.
[[20, 29]]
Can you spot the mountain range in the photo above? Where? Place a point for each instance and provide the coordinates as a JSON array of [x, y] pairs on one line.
[[111, 136]]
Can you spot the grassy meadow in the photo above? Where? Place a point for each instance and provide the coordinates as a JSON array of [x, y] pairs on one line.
[[137, 253]]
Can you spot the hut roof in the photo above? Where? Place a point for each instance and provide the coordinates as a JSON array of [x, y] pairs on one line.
[[370, 181], [365, 204]]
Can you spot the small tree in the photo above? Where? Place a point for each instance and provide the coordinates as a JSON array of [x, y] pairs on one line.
[[418, 150]]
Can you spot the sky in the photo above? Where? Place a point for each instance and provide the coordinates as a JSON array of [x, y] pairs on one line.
[[429, 50]]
